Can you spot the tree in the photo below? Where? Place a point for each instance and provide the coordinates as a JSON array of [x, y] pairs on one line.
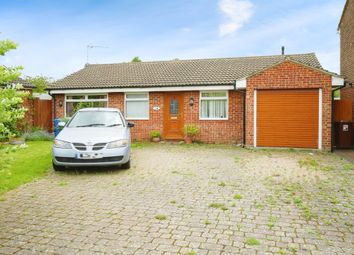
[[11, 95], [41, 83], [136, 59]]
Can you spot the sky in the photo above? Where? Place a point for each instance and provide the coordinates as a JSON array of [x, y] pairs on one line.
[[53, 34]]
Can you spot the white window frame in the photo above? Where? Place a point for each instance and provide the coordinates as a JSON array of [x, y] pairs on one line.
[[213, 98], [84, 100], [147, 99]]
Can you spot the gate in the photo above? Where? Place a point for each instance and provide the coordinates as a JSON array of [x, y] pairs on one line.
[[42, 114], [343, 124]]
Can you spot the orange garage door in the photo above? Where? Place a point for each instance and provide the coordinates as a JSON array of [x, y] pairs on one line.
[[287, 118]]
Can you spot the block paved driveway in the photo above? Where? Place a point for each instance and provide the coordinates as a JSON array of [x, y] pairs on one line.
[[215, 200]]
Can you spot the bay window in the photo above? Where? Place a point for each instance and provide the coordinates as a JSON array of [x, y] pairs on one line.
[[213, 105]]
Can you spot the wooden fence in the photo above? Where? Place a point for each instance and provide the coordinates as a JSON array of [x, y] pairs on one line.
[[42, 114]]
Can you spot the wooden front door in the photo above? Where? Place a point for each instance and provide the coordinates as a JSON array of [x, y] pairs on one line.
[[173, 116]]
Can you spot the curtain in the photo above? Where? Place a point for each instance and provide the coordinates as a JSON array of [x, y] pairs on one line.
[[213, 109]]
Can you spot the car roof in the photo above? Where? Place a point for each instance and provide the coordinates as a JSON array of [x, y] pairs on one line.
[[101, 109]]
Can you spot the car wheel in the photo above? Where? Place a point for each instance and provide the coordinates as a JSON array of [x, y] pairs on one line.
[[58, 168], [126, 165]]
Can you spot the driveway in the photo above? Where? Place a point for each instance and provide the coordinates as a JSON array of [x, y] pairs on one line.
[[346, 154], [180, 199]]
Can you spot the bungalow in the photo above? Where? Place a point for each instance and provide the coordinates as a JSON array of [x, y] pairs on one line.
[[266, 101]]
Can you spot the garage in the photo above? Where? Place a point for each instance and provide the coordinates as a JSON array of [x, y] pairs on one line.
[[288, 118]]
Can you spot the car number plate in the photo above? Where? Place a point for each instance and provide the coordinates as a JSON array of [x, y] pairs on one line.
[[89, 155]]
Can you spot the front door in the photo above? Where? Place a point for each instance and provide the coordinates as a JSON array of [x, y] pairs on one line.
[[173, 116]]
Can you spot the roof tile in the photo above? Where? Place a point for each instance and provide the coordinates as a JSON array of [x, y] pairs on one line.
[[218, 71]]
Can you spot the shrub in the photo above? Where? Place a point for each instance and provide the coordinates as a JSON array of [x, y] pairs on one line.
[[155, 134], [11, 110], [38, 135], [191, 130]]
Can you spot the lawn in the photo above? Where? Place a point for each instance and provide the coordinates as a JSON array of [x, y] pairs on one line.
[[22, 165]]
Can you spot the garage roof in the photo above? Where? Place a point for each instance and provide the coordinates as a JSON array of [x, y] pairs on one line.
[[217, 71]]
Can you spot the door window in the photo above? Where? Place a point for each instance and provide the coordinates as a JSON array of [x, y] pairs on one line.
[[173, 106]]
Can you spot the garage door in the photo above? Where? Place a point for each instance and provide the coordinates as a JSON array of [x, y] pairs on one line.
[[287, 118]]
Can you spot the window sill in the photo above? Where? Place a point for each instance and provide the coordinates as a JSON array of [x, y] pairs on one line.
[[213, 118]]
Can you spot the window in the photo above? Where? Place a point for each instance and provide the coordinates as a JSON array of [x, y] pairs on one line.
[[96, 119], [174, 107], [213, 105], [73, 103], [137, 106]]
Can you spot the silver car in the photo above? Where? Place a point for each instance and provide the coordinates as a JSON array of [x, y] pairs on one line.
[[93, 137]]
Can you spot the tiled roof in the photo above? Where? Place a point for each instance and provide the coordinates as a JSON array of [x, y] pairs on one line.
[[23, 82], [218, 71]]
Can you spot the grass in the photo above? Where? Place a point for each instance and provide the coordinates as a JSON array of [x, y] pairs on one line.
[[207, 222], [221, 184], [309, 163], [218, 206], [252, 241], [271, 221], [19, 166], [327, 168], [348, 167], [63, 183], [160, 217], [192, 253], [297, 201], [237, 196], [139, 145]]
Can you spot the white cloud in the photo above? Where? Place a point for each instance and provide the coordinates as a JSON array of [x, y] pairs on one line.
[[236, 12]]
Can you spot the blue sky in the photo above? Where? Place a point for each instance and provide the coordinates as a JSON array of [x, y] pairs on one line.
[[53, 34]]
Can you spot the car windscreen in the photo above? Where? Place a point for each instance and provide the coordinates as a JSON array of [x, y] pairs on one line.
[[96, 119]]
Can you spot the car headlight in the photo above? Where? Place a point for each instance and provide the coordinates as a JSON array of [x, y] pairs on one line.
[[62, 144], [117, 144]]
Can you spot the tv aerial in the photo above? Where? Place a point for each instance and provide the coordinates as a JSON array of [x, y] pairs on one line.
[[88, 47]]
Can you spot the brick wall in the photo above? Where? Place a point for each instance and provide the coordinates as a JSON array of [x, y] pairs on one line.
[[217, 131], [212, 131], [59, 111], [347, 50], [142, 128], [289, 75]]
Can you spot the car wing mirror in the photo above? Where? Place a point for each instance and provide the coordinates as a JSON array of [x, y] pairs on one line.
[[130, 124], [61, 124]]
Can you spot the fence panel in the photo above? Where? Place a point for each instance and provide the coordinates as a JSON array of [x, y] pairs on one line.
[[42, 114]]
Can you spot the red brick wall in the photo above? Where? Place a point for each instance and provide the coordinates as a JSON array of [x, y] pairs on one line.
[[212, 131], [217, 131], [59, 111], [347, 50], [142, 128], [290, 75]]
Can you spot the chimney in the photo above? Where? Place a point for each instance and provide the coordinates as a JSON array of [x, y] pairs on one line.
[[282, 50]]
